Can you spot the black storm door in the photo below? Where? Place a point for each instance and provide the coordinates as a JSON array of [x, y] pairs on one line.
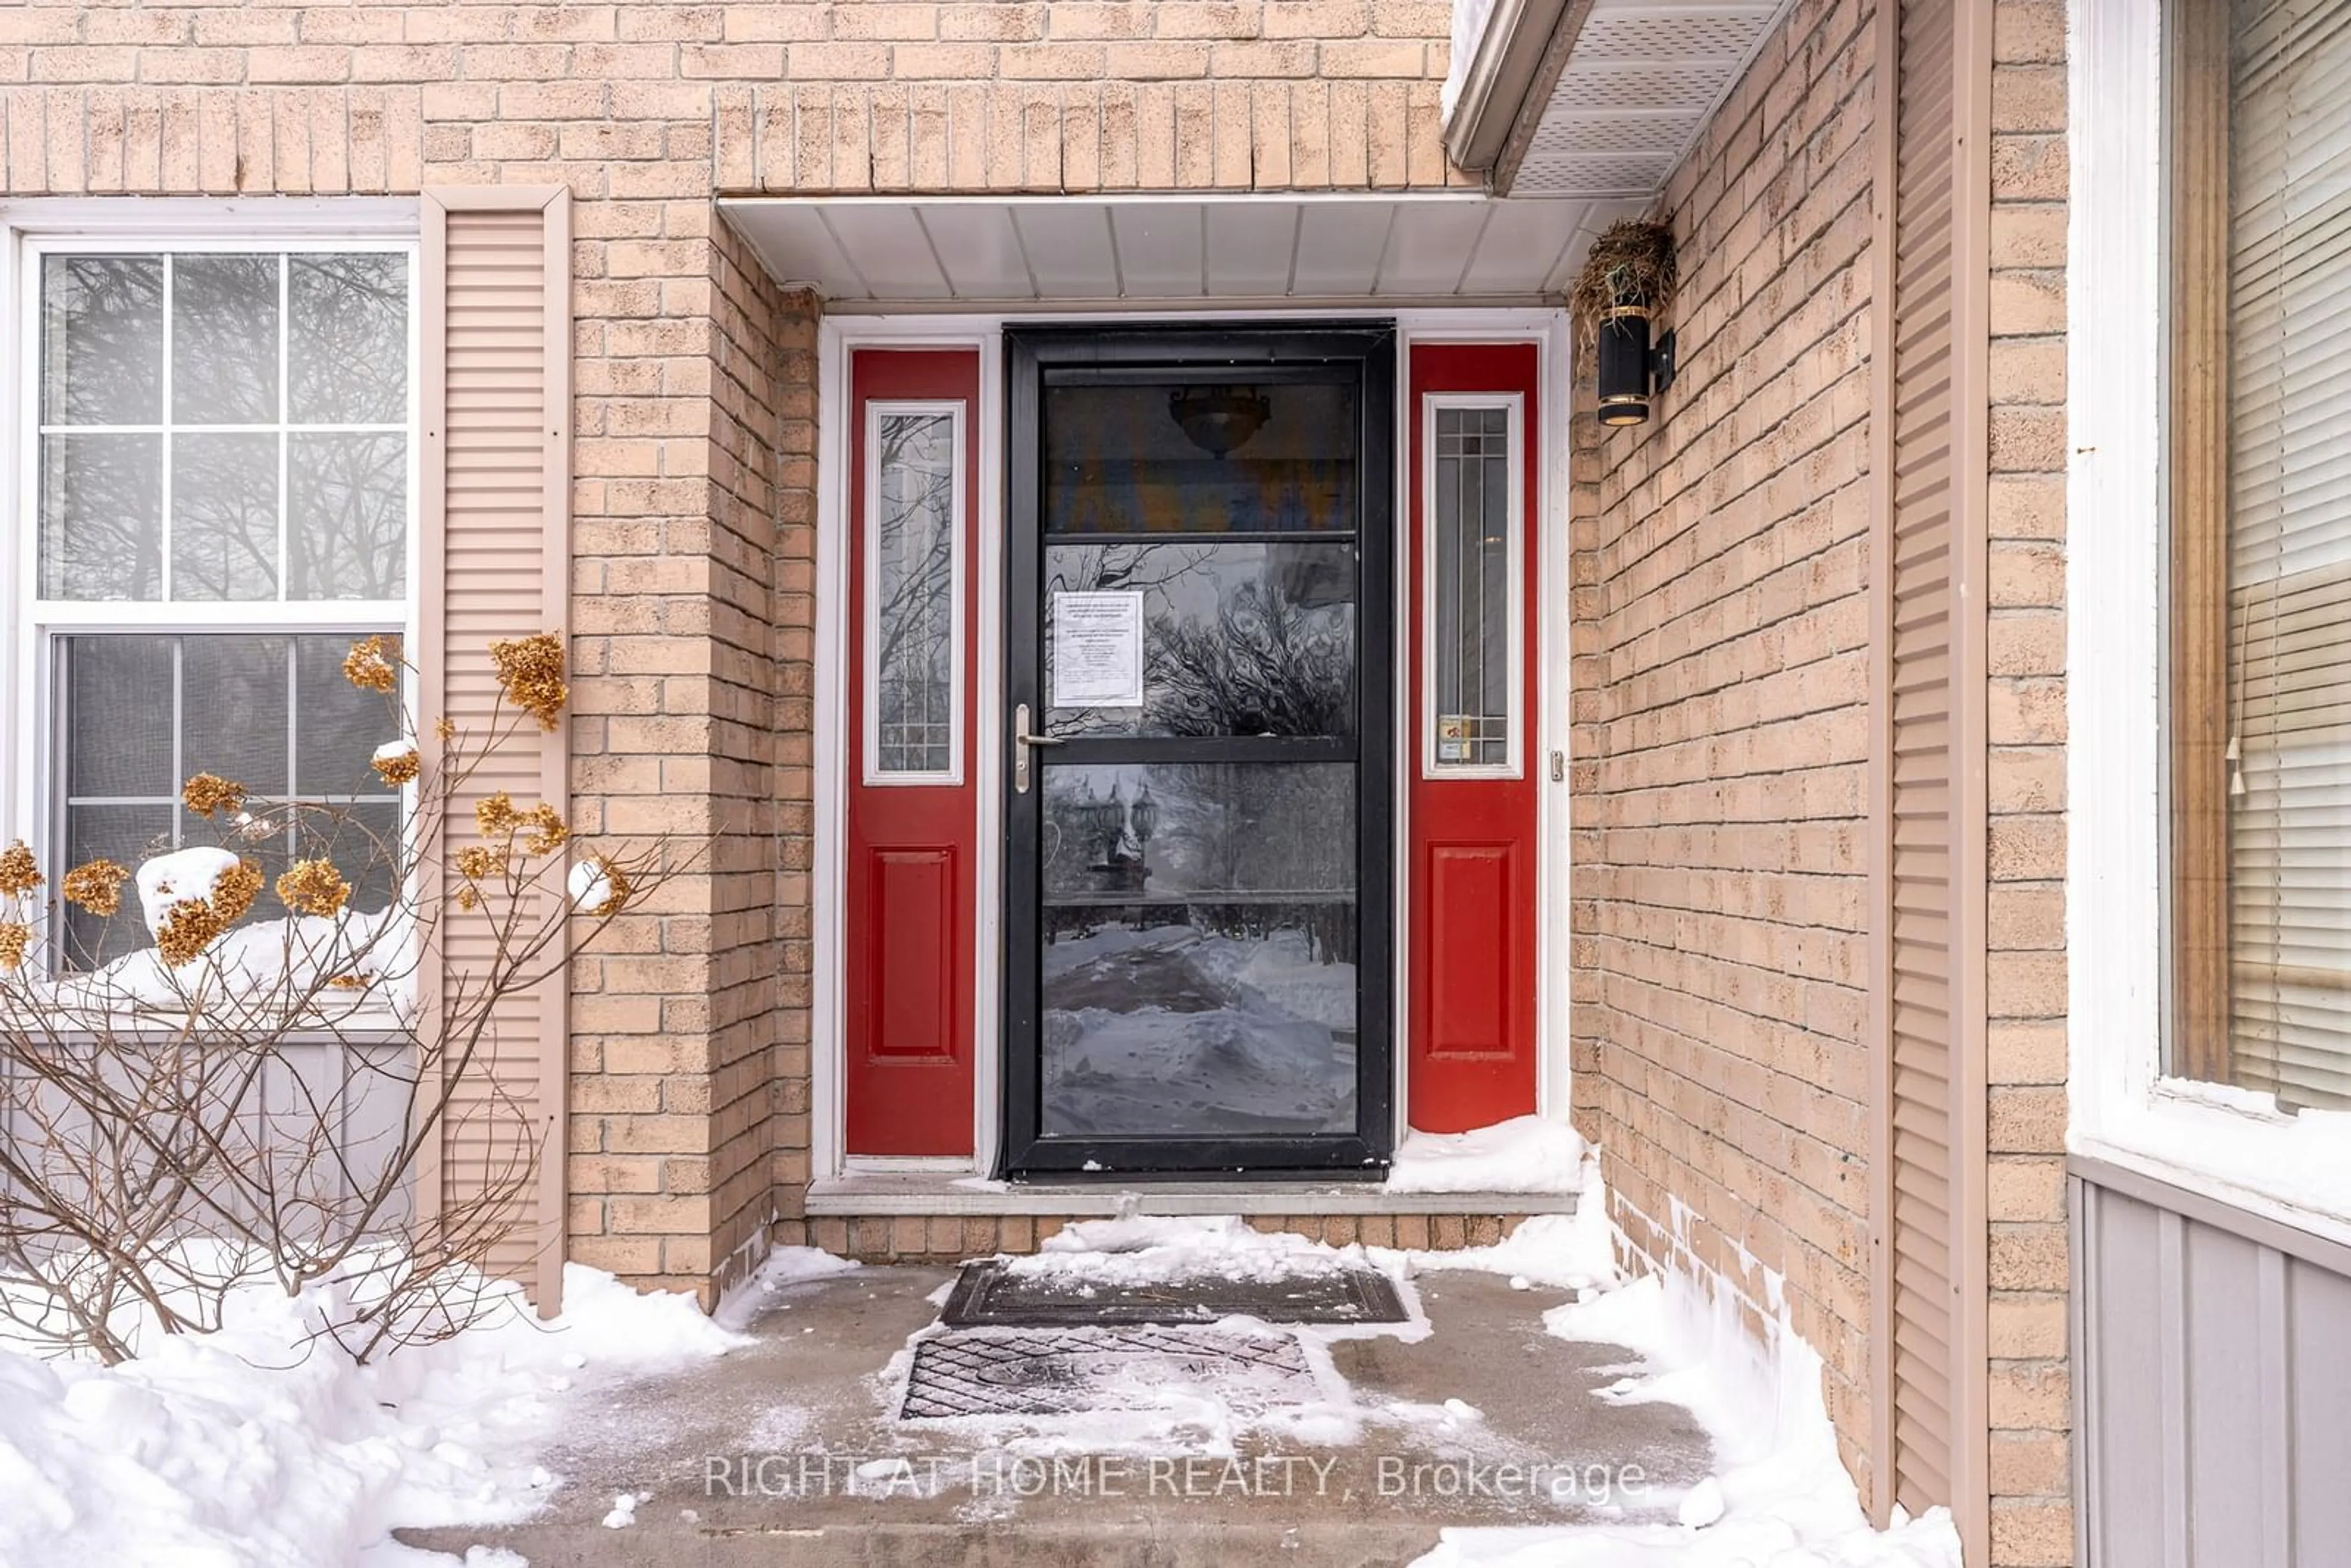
[[1199, 770]]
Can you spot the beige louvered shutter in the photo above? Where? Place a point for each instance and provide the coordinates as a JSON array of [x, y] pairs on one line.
[[497, 328], [2289, 550], [1930, 1231]]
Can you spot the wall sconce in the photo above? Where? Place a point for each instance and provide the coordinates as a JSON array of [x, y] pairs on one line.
[[1627, 280], [1631, 370]]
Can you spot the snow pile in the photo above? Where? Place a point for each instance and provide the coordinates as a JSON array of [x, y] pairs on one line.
[[263, 1445], [1568, 1251], [1155, 1249], [1783, 1501], [2235, 1145], [783, 1267], [1526, 1153], [253, 965], [183, 876]]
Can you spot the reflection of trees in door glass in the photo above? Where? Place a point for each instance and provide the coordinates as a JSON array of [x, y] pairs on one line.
[[914, 585], [1181, 830], [1239, 639]]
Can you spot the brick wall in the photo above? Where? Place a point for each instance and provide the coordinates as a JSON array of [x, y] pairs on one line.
[[694, 496], [1721, 644], [682, 99], [1720, 681], [2031, 1522], [685, 656]]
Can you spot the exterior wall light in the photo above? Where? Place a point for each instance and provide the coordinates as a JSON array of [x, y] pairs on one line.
[[1631, 369], [1626, 281]]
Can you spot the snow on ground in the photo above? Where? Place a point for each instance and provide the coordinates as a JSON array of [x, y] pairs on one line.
[[782, 1267], [1567, 1251], [1207, 1409], [1784, 1499], [1525, 1153], [261, 1446]]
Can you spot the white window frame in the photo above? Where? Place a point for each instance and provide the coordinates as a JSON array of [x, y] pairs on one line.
[[32, 794], [2123, 1107], [870, 612], [1513, 766]]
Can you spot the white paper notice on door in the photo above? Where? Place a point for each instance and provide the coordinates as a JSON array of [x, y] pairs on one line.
[[1098, 649]]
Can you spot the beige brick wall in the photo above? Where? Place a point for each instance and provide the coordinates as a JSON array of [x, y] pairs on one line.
[[947, 1239], [667, 102], [1721, 682], [693, 500], [2031, 1522], [1720, 642]]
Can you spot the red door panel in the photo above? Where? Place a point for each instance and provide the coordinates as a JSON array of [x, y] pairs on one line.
[[912, 828], [1470, 1023]]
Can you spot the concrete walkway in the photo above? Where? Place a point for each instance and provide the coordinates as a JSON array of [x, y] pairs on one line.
[[786, 1453]]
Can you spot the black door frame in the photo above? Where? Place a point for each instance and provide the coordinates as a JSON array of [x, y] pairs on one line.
[[1369, 350]]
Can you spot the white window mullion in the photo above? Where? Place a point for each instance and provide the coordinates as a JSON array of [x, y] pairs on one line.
[[164, 453], [285, 428]]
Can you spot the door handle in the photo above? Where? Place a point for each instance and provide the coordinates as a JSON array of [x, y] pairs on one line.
[[1021, 742]]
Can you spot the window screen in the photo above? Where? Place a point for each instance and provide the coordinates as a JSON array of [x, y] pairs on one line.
[[221, 444]]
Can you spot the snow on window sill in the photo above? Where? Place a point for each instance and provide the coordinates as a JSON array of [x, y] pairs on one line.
[[2233, 1147]]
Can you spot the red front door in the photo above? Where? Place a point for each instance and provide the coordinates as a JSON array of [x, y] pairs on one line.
[[910, 757], [1471, 748]]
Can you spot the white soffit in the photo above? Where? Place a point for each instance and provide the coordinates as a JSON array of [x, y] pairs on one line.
[[1640, 83], [876, 253]]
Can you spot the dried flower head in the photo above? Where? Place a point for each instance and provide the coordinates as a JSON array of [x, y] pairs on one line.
[[530, 672], [446, 727], [313, 887], [351, 982], [478, 862], [189, 927], [373, 665], [547, 829], [234, 890], [96, 886], [14, 936], [469, 898], [19, 872], [209, 792], [496, 816], [398, 767]]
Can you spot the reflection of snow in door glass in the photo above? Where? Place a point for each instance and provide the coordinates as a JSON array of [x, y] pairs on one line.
[[1199, 966]]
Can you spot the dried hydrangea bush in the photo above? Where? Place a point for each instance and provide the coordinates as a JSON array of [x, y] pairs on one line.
[[260, 1089]]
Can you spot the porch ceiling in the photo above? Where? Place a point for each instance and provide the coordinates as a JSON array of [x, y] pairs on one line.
[[1593, 99], [869, 253]]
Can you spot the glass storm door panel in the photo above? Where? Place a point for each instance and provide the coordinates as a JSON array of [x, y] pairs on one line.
[[1198, 885]]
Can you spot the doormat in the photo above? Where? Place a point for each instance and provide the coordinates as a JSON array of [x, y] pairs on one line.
[[1062, 1372], [988, 1294]]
